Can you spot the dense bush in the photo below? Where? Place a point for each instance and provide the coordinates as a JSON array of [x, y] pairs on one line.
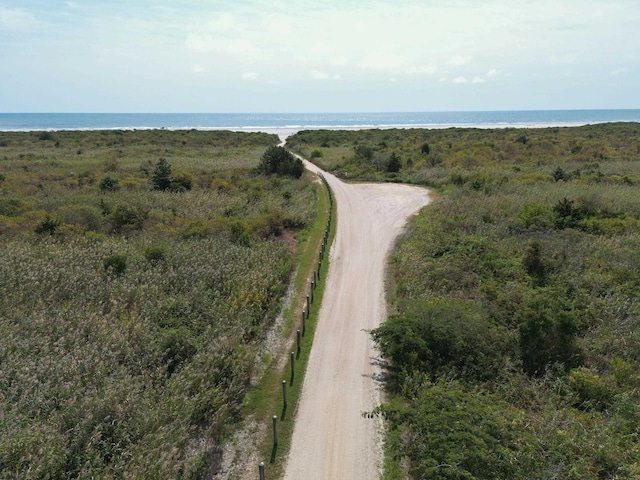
[[277, 160], [115, 264], [109, 184]]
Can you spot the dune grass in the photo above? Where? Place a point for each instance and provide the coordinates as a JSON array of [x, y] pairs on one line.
[[130, 318]]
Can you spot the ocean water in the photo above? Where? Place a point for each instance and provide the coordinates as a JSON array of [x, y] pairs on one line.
[[298, 121]]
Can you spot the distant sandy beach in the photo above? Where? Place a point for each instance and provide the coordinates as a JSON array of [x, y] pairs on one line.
[[284, 132]]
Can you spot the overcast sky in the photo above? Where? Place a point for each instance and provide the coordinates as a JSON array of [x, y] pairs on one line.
[[318, 56]]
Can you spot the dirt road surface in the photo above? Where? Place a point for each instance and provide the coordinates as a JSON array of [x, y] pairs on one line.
[[331, 438]]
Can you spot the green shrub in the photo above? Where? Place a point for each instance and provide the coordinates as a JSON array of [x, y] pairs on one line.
[[124, 218], [316, 153], [535, 216], [239, 234], [115, 264], [181, 182], [177, 348], [162, 175], [393, 164], [43, 136], [533, 262], [548, 328], [277, 160], [109, 184], [594, 391], [452, 433], [47, 226], [155, 254], [441, 336], [11, 207]]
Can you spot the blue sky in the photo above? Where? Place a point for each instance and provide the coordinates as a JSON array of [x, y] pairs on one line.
[[317, 56]]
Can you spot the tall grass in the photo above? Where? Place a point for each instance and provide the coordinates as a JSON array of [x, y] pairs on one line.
[[137, 371]]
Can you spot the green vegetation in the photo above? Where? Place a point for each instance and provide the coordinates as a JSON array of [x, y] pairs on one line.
[[277, 160], [456, 156], [514, 340], [130, 323]]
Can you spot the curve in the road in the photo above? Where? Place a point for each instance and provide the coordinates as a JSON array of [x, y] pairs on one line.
[[331, 438]]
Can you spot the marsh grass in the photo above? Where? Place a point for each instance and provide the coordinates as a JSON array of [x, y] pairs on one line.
[[127, 352]]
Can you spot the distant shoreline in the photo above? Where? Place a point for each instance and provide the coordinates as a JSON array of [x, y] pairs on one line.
[[284, 124]]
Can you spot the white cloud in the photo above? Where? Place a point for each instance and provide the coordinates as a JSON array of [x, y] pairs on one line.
[[16, 19], [493, 73], [477, 79], [250, 76], [460, 80], [422, 70], [382, 61], [320, 75], [563, 59], [197, 42], [241, 50], [278, 25], [459, 60], [224, 22], [198, 69], [618, 71]]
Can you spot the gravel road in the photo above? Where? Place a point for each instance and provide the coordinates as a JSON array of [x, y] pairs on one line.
[[331, 438]]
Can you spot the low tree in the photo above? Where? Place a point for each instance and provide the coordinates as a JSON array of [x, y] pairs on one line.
[[279, 161], [109, 184], [559, 174], [393, 164], [162, 175]]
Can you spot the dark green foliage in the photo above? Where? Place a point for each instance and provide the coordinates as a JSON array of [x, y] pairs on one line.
[[452, 433], [441, 337], [47, 226], [393, 164], [109, 184], [534, 262], [177, 348], [559, 174], [279, 161], [181, 182], [364, 152], [44, 136], [124, 218], [424, 149], [162, 175], [567, 216], [548, 329], [239, 234], [155, 255], [115, 264]]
